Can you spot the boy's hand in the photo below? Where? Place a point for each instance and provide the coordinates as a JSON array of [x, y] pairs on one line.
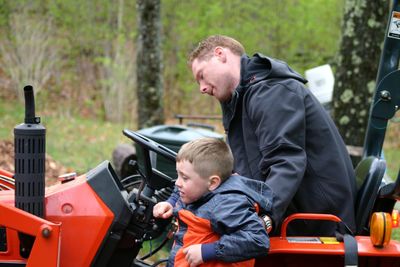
[[162, 210], [193, 255]]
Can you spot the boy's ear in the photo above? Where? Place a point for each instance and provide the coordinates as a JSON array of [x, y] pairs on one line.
[[213, 182]]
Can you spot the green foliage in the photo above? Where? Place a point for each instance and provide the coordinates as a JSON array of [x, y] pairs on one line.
[[4, 13], [306, 34], [396, 234], [391, 148], [392, 157], [11, 114], [284, 29], [85, 26]]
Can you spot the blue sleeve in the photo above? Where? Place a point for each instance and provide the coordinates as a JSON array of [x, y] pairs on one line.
[[208, 252], [173, 198], [242, 233]]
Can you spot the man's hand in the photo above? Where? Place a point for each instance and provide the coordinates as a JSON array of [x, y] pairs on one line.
[[162, 210], [193, 255]]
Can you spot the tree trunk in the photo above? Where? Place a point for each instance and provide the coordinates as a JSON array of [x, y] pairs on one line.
[[149, 73], [363, 32]]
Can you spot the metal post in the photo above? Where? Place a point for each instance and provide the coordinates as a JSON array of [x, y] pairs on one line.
[[383, 97]]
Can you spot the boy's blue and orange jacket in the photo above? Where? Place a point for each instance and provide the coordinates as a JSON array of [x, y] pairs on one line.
[[226, 223]]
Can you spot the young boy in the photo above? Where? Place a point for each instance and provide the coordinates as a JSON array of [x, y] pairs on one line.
[[216, 211]]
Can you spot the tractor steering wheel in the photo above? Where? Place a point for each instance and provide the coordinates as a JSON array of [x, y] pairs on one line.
[[154, 178]]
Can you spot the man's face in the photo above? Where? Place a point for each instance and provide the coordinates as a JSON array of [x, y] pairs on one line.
[[191, 186], [214, 77]]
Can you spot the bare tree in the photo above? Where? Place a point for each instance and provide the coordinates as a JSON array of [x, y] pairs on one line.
[[118, 81], [149, 68], [363, 30], [29, 56]]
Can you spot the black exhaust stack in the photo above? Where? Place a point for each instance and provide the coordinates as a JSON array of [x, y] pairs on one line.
[[30, 148]]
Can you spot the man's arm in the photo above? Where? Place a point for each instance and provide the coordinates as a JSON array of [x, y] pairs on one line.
[[278, 119]]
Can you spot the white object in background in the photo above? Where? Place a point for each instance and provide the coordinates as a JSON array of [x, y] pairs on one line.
[[320, 82]]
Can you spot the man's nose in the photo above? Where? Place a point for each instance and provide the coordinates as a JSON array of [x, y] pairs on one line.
[[203, 88]]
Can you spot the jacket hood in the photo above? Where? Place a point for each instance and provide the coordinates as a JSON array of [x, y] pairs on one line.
[[256, 190], [253, 70], [261, 67]]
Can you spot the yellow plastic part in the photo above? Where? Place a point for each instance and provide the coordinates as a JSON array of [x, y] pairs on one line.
[[380, 228], [395, 219]]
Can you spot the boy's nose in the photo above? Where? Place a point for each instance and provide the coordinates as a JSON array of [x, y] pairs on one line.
[[178, 182]]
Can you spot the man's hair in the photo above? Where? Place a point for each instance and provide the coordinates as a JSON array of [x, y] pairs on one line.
[[205, 48], [209, 156]]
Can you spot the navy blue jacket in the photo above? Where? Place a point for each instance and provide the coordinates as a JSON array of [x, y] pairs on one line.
[[279, 133], [225, 221]]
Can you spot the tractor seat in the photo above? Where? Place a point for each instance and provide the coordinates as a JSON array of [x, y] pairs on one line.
[[369, 175]]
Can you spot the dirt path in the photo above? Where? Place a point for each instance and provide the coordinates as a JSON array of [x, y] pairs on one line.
[[53, 169]]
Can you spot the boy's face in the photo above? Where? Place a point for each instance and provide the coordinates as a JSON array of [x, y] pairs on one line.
[[191, 186]]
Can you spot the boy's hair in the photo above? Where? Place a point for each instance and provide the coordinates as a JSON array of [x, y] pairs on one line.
[[204, 48], [209, 156]]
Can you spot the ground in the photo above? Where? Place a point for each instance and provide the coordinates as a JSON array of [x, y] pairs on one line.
[[53, 169]]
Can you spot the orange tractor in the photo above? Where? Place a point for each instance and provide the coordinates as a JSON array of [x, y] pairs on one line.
[[98, 219]]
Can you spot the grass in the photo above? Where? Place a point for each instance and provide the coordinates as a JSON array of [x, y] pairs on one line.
[[391, 146], [392, 157], [77, 143], [396, 234]]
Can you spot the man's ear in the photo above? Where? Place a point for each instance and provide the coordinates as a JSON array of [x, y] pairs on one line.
[[213, 182], [220, 53]]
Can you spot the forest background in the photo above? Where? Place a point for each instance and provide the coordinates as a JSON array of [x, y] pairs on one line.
[[80, 56]]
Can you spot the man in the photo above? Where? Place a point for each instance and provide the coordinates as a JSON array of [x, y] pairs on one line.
[[279, 133]]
